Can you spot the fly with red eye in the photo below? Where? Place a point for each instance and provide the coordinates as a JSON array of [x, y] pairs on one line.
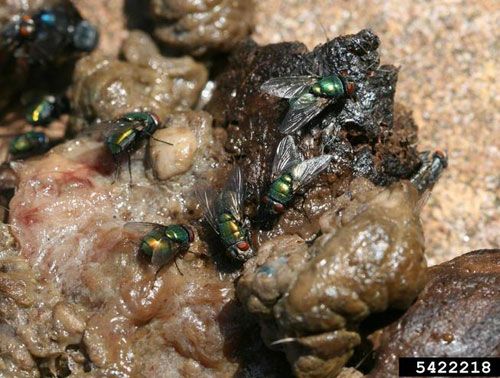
[[224, 213], [50, 35], [290, 174]]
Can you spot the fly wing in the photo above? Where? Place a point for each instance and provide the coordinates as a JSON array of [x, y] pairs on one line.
[[101, 130], [304, 172], [139, 229], [207, 198], [231, 197], [302, 110], [287, 87], [160, 259], [287, 155]]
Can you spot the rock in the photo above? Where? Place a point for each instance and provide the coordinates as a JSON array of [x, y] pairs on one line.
[[109, 18], [198, 27], [188, 132], [350, 373], [105, 88], [456, 315], [172, 160]]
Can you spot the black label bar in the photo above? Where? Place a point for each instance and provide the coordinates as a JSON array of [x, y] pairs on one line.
[[449, 367]]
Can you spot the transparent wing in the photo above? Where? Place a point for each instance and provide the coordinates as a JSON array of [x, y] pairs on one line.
[[139, 229], [231, 197], [160, 259], [101, 130], [424, 198], [301, 111], [304, 172], [287, 87], [287, 155], [206, 198]]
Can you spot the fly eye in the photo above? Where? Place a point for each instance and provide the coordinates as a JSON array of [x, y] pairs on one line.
[[190, 233], [351, 87], [243, 246], [156, 119], [279, 208], [27, 26]]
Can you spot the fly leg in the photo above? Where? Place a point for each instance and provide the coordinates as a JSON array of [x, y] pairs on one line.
[[129, 163], [177, 266], [300, 208], [117, 169], [312, 238]]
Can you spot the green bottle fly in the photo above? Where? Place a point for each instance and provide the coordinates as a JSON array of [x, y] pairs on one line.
[[161, 244], [290, 174], [308, 96], [29, 144], [45, 110], [129, 129], [225, 215]]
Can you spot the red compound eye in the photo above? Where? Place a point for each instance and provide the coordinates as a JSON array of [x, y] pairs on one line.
[[279, 208], [350, 88], [243, 246], [155, 118], [190, 233], [265, 200]]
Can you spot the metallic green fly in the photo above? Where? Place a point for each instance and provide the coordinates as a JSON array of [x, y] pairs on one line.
[[161, 244], [124, 134], [225, 215], [290, 174], [46, 109], [29, 144], [307, 96]]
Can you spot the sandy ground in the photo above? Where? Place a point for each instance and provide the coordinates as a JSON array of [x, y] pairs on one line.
[[448, 52]]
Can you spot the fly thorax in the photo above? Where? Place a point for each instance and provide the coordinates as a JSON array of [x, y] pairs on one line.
[[177, 234], [331, 86], [225, 217], [149, 121]]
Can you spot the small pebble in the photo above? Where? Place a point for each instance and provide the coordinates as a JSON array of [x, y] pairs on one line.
[[172, 160]]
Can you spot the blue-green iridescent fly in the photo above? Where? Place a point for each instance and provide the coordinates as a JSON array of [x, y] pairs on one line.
[[224, 213], [45, 109], [158, 243], [29, 144], [124, 134], [290, 174], [307, 96]]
